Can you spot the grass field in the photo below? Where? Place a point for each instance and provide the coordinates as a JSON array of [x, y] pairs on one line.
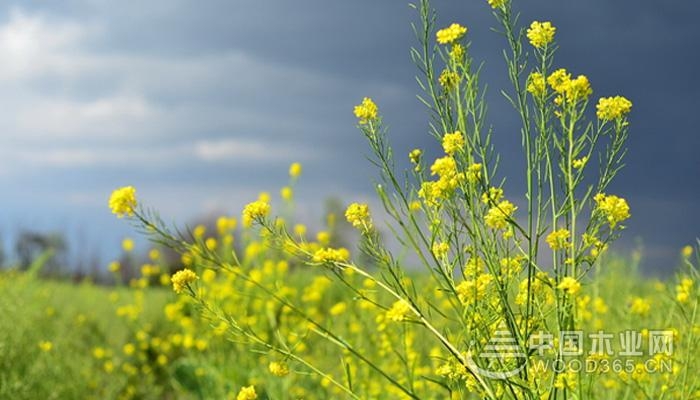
[[68, 341]]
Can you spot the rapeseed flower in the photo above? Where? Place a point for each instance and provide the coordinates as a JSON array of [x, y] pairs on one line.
[[448, 79], [247, 393], [559, 80], [580, 163], [295, 170], [330, 255], [398, 311], [569, 285], [128, 245], [254, 211], [541, 34], [496, 217], [450, 34], [610, 108], [497, 3], [536, 84], [640, 306], [45, 346], [558, 239], [278, 368], [687, 251], [615, 209], [358, 215], [493, 195], [474, 173], [123, 201], [452, 142], [366, 111], [181, 279], [440, 249]]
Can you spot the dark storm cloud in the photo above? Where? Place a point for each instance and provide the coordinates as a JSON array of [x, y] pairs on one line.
[[146, 92]]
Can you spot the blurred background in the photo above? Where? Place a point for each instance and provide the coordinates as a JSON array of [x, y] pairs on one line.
[[202, 105]]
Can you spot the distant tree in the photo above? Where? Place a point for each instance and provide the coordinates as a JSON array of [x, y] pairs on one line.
[[2, 252], [31, 245]]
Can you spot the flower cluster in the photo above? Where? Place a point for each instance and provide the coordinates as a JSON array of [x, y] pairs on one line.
[[295, 170], [123, 201], [366, 111], [536, 84], [181, 279], [247, 393], [558, 239], [331, 255], [452, 142], [358, 215], [278, 368], [569, 285], [398, 311], [615, 209], [496, 217], [569, 89], [541, 34], [497, 3], [255, 211], [450, 34], [448, 79], [610, 108]]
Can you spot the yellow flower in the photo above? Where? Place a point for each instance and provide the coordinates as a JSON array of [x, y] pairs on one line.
[[450, 34], [129, 349], [558, 239], [225, 224], [330, 255], [493, 195], [610, 108], [254, 211], [286, 193], [580, 163], [181, 279], [559, 80], [614, 208], [338, 309], [448, 79], [444, 167], [398, 311], [452, 142], [497, 216], [295, 170], [457, 53], [128, 245], [640, 306], [569, 285], [247, 393], [358, 215], [366, 111], [540, 34], [115, 266], [578, 89], [536, 84], [687, 251], [474, 172], [684, 290], [278, 368], [45, 346], [497, 3], [123, 201], [440, 249]]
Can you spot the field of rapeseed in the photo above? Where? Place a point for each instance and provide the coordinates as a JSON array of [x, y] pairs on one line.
[[485, 297]]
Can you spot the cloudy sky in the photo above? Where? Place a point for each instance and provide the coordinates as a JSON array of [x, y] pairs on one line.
[[202, 104]]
